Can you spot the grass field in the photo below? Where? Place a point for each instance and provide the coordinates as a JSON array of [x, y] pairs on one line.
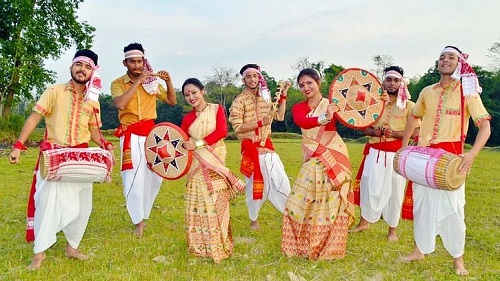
[[162, 253]]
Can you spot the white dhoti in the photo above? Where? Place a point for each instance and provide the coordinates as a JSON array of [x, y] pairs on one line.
[[276, 185], [382, 190], [60, 206], [439, 212], [140, 184]]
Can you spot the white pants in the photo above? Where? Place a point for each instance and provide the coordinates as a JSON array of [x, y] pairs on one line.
[[439, 212], [276, 185], [60, 206], [382, 190], [140, 184]]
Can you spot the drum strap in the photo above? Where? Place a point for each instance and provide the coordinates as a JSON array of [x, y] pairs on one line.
[[462, 114]]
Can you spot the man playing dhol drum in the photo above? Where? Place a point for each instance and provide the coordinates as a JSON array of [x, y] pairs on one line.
[[71, 121], [445, 109], [135, 95], [250, 116], [381, 189]]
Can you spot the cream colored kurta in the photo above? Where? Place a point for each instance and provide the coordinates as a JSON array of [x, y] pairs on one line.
[[441, 212]]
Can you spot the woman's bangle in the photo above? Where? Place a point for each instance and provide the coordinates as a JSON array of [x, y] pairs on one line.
[[199, 144], [20, 146], [322, 120]]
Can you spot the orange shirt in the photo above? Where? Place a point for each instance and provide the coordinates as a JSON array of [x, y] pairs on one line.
[[67, 116], [249, 108], [394, 118], [440, 111], [141, 107]]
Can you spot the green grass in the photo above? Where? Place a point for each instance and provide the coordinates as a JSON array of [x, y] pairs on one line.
[[117, 255]]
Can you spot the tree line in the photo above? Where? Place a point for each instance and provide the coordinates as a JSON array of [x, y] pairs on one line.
[[222, 87], [32, 31]]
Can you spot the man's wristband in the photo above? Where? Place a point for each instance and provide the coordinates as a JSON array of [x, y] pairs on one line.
[[20, 146], [105, 144], [282, 99]]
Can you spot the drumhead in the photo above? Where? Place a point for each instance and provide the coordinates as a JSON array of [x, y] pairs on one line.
[[454, 178], [357, 92], [165, 152]]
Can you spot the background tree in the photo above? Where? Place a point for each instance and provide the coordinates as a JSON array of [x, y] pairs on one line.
[[381, 62], [32, 31], [109, 113], [304, 62], [172, 114], [430, 77], [221, 85], [495, 56]]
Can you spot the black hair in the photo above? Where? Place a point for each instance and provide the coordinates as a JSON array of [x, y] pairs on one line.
[[396, 68], [247, 66], [194, 82], [311, 72], [133, 46], [453, 47], [87, 53]]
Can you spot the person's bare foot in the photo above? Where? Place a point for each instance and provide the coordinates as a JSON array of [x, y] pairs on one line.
[[75, 254], [254, 225], [139, 229], [37, 261], [392, 236], [458, 264], [416, 255], [362, 225]]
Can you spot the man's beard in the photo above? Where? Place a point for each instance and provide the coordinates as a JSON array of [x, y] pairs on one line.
[[78, 80], [392, 93]]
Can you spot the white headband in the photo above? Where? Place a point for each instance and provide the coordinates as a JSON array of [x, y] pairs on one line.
[[250, 69], [133, 54], [393, 73], [86, 60], [454, 51]]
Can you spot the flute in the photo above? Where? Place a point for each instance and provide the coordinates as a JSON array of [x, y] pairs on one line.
[[162, 76]]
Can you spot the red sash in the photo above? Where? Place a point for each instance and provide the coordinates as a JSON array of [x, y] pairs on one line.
[[30, 216], [250, 164], [141, 128]]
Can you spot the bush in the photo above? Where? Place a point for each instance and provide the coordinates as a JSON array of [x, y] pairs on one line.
[[9, 129]]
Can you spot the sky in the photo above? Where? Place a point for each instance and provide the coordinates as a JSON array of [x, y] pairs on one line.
[[189, 38]]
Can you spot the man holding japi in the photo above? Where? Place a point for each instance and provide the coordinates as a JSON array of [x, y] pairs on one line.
[[135, 95]]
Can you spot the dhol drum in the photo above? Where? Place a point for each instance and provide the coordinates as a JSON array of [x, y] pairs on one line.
[[358, 94], [432, 167], [76, 165], [165, 151]]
